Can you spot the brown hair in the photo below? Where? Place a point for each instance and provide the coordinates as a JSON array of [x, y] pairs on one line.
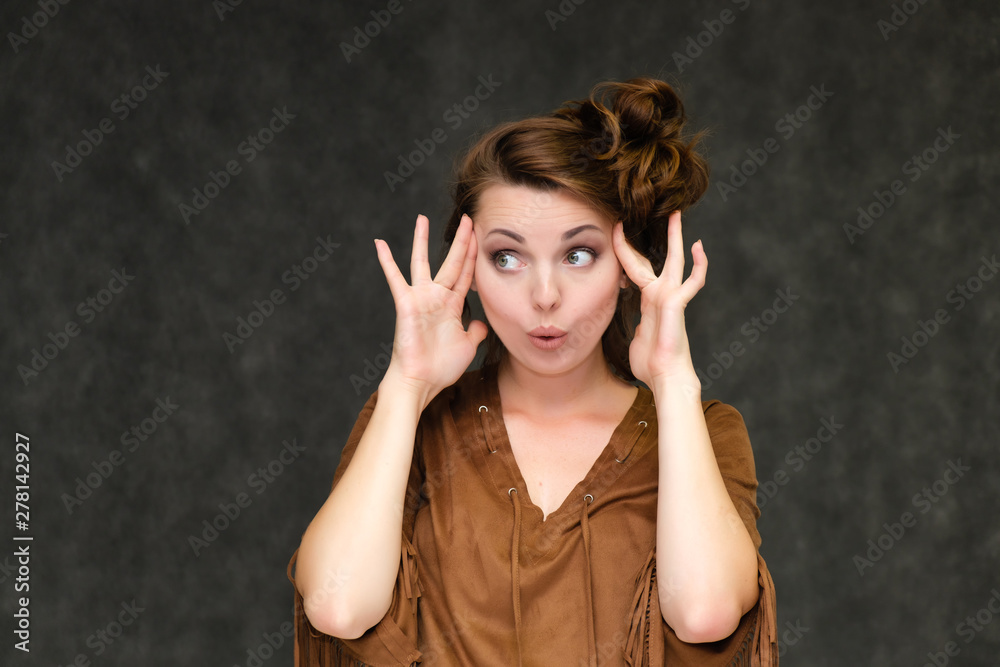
[[622, 151]]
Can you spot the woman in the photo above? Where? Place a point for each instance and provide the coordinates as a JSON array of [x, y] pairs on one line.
[[543, 509]]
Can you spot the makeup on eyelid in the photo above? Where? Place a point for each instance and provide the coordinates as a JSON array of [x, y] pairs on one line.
[[493, 255]]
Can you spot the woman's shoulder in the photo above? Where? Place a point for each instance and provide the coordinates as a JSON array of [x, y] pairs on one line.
[[716, 409], [472, 387], [728, 432]]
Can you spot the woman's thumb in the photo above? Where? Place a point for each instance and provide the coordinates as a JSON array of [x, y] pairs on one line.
[[477, 332]]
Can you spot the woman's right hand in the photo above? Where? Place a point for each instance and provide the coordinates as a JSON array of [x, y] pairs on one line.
[[431, 348]]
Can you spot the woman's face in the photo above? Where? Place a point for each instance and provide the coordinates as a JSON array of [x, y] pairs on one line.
[[546, 274]]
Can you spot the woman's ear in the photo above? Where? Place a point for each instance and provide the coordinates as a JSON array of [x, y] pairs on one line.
[[623, 282]]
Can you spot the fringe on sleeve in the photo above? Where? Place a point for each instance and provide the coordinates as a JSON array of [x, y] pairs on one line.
[[644, 646], [755, 644], [388, 644], [765, 649]]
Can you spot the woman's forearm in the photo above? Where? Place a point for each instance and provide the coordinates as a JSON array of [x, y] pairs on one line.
[[706, 562], [350, 553]]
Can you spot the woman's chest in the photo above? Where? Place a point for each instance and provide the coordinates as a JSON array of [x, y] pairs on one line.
[[553, 460]]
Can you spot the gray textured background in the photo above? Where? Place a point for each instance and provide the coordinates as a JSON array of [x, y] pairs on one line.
[[323, 176]]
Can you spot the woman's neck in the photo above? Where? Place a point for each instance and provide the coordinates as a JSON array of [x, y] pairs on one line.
[[543, 396]]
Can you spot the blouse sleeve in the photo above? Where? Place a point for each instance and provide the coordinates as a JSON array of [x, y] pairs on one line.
[[393, 641], [734, 455], [754, 642]]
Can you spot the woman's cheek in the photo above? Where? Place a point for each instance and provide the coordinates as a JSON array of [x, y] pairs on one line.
[[603, 292], [495, 299]]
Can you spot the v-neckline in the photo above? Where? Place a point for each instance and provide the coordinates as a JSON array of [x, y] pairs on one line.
[[508, 451]]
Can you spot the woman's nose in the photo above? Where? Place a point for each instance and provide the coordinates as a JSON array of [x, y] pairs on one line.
[[545, 291]]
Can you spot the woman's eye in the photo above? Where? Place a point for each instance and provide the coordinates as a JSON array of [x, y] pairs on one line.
[[581, 256], [504, 260]]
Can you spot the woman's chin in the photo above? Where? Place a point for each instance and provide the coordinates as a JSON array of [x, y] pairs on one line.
[[557, 361]]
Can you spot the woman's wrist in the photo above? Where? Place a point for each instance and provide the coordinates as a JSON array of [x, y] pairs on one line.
[[683, 383], [404, 391]]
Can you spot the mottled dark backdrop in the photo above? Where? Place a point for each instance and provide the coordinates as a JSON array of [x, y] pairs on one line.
[[193, 312]]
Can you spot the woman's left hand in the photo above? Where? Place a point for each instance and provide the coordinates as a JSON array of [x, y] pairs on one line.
[[659, 351]]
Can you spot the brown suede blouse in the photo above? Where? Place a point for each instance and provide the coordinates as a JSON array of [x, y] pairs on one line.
[[483, 580]]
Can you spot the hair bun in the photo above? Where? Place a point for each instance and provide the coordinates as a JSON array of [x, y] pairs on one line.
[[645, 109], [634, 135]]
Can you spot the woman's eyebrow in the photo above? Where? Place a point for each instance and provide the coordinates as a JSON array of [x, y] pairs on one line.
[[506, 232], [576, 230], [566, 236]]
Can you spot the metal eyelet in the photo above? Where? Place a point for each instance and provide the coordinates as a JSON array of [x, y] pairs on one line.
[[511, 489], [644, 425], [483, 407], [589, 496]]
